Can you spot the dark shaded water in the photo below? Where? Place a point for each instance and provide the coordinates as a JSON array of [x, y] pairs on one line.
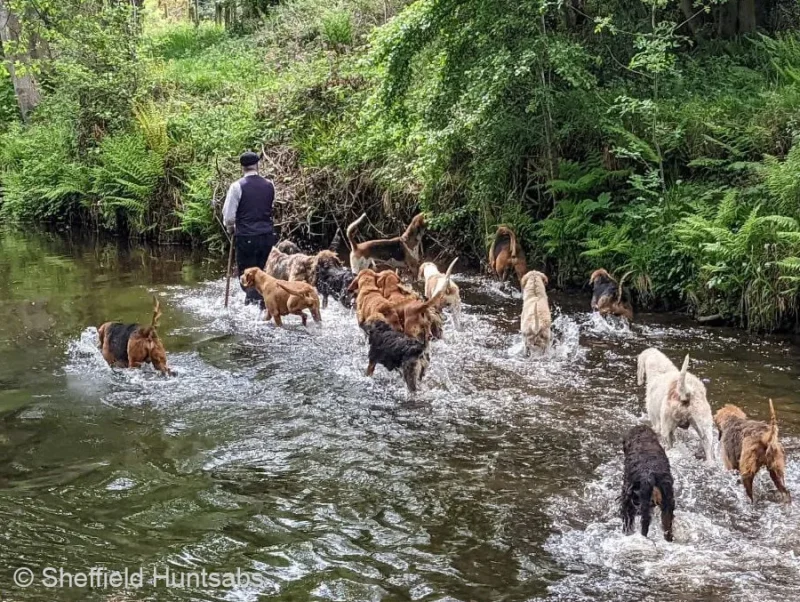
[[271, 453]]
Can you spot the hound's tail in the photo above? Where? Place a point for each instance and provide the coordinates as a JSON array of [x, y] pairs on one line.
[[513, 241], [619, 286], [337, 241], [296, 288], [683, 394], [351, 230], [156, 313], [440, 295], [770, 438], [640, 370]]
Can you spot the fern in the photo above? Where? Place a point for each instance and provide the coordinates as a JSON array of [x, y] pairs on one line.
[[126, 180]]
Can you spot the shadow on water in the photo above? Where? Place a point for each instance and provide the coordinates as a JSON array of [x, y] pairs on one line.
[[271, 452]]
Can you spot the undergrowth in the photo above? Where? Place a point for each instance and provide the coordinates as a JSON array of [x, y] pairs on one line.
[[672, 164]]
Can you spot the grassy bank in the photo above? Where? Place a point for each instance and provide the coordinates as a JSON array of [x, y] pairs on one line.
[[605, 140]]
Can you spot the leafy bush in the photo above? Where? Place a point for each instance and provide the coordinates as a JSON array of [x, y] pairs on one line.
[[666, 155], [183, 40], [8, 102], [125, 182], [337, 28], [42, 180], [747, 269]]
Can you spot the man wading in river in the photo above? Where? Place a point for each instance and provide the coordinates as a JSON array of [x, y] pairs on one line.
[[248, 214]]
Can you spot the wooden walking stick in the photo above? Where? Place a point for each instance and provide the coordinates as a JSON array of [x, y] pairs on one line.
[[230, 268]]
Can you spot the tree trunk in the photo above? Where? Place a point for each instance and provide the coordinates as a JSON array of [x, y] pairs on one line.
[[728, 19], [692, 21], [18, 61], [747, 16]]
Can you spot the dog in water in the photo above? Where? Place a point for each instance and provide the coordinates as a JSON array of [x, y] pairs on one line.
[[420, 318], [677, 399], [278, 261], [131, 345], [334, 280], [607, 296], [394, 289], [371, 305], [506, 255], [281, 297], [650, 363], [536, 321], [647, 482], [435, 283], [402, 251], [747, 445], [396, 351], [296, 267]]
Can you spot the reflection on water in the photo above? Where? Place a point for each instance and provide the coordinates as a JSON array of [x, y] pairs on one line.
[[271, 451]]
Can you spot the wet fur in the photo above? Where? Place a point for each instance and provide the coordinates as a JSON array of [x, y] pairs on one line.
[[748, 445], [422, 319], [607, 296], [404, 251], [435, 282], [506, 255], [287, 247], [671, 406], [370, 302], [393, 289], [536, 321], [131, 345], [281, 297], [650, 363], [333, 280], [396, 351], [647, 482], [297, 267], [419, 318]]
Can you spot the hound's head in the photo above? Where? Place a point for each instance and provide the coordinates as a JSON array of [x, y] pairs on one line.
[[328, 260], [599, 276], [534, 279], [248, 278], [727, 413], [364, 279]]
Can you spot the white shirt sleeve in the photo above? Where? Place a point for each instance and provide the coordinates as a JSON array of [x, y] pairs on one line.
[[231, 205]]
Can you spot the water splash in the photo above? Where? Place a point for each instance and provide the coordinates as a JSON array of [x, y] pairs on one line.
[[507, 463]]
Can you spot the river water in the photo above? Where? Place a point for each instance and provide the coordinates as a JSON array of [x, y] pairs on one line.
[[270, 453]]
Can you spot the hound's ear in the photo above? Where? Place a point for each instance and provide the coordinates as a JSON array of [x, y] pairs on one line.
[[524, 280], [546, 281], [353, 285]]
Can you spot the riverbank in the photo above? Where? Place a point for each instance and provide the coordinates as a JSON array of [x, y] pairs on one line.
[[671, 163]]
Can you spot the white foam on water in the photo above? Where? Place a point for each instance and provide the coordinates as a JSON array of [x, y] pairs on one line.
[[720, 540], [477, 376]]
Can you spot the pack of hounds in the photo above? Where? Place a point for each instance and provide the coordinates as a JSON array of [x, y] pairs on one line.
[[400, 323]]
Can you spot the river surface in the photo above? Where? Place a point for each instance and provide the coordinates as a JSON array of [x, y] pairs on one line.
[[272, 454]]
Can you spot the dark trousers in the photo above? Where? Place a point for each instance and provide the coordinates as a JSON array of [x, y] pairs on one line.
[[252, 251]]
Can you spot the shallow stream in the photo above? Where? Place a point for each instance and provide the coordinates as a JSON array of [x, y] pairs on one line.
[[271, 453]]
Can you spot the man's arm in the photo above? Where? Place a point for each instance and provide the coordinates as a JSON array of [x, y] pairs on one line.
[[231, 205]]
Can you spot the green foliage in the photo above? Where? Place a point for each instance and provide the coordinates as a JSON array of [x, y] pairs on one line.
[[41, 179], [183, 41], [8, 102], [611, 134], [747, 267], [99, 68], [125, 181], [337, 28], [782, 179]]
